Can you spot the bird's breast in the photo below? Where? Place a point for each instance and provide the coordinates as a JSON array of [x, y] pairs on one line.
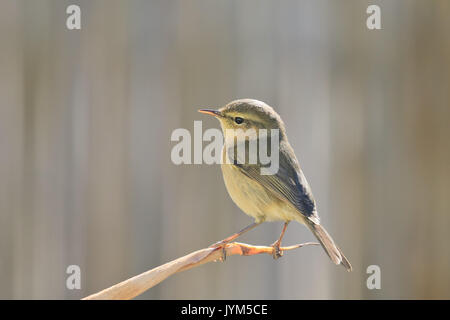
[[255, 200]]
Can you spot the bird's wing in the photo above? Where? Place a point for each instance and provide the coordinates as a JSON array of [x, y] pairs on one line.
[[287, 183]]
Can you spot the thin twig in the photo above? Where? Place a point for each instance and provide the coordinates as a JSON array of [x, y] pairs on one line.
[[136, 285]]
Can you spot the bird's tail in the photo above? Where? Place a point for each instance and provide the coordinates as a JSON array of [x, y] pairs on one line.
[[328, 244]]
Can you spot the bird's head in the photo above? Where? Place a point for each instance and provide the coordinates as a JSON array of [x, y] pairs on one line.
[[247, 114]]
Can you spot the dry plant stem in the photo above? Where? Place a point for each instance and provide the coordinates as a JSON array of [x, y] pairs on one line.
[[136, 285]]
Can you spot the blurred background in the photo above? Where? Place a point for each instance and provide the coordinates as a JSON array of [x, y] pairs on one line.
[[86, 118]]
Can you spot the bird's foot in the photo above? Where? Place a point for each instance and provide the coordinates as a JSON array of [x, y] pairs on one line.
[[221, 244], [276, 251]]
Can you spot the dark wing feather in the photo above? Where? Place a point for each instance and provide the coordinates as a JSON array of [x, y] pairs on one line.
[[288, 183]]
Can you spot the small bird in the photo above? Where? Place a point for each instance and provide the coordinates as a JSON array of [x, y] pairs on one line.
[[282, 196]]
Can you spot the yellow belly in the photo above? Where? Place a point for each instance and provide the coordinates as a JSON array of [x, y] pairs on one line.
[[255, 200]]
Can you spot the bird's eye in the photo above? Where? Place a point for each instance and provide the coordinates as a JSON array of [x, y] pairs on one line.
[[238, 120]]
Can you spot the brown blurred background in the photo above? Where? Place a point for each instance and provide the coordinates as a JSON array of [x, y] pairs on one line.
[[86, 117]]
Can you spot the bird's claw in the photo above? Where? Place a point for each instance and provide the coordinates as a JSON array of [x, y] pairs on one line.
[[276, 251], [221, 244]]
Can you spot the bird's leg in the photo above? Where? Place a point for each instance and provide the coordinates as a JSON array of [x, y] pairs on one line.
[[277, 253], [231, 238]]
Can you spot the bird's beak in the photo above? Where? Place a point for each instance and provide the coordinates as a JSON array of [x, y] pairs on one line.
[[211, 112]]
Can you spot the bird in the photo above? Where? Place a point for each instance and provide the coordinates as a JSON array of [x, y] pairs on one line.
[[284, 195]]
